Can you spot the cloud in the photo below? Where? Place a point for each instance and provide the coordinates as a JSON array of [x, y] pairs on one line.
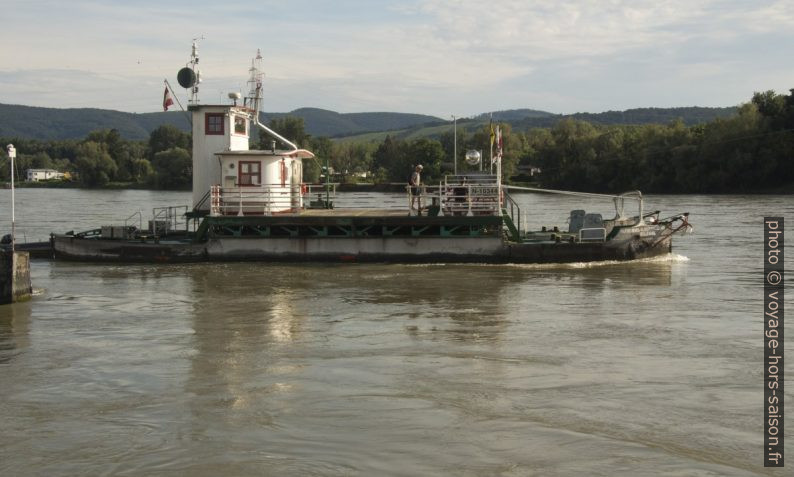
[[432, 56], [74, 88]]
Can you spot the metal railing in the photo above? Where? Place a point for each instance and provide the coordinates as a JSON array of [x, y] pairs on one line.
[[460, 195], [204, 199], [513, 210], [319, 195], [314, 189], [255, 200], [167, 219], [471, 195], [456, 195], [140, 220], [618, 200]]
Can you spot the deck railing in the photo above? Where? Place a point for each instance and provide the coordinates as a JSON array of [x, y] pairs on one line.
[[255, 200], [454, 196], [513, 211], [459, 195], [168, 219], [129, 220], [319, 195]]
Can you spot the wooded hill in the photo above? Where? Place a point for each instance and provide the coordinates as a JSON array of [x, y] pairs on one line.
[[58, 124], [521, 119]]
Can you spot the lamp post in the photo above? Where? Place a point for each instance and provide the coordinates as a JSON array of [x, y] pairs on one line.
[[12, 153], [455, 140]]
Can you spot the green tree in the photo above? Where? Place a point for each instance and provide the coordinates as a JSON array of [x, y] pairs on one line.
[[769, 103], [447, 141], [290, 127], [141, 171], [348, 158], [168, 137], [94, 165], [323, 148], [428, 153], [41, 160], [173, 168], [390, 162], [127, 158]]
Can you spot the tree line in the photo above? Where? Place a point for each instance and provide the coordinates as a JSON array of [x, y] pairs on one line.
[[394, 158], [104, 158], [750, 151]]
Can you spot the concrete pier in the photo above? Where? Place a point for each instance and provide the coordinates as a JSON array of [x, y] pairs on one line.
[[14, 277]]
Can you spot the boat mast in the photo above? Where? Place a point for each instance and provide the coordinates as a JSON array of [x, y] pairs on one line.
[[254, 99], [256, 75], [193, 65]]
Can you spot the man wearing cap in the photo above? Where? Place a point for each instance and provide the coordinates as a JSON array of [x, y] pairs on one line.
[[414, 182]]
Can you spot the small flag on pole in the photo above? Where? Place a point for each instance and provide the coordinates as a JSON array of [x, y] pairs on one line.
[[498, 145], [493, 135], [167, 100]]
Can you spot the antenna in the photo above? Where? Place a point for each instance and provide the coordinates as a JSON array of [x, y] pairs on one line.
[[256, 75], [190, 76]]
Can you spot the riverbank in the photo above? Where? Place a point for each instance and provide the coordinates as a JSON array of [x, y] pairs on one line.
[[787, 189], [351, 187], [78, 185]]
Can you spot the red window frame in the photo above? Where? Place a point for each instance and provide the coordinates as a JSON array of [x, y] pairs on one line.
[[245, 179], [218, 123]]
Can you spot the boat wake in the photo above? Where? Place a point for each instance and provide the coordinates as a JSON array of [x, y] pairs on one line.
[[668, 258], [660, 259]]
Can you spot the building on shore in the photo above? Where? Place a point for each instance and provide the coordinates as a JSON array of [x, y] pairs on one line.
[[36, 175]]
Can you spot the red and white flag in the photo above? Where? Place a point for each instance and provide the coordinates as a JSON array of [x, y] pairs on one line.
[[498, 144], [167, 100]]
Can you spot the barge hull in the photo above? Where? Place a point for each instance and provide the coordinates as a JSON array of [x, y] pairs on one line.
[[66, 247], [373, 249], [631, 249]]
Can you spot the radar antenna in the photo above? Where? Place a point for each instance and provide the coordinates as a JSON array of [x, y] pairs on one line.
[[189, 77]]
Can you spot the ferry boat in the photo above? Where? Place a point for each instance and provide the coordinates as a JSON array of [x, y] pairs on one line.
[[254, 205]]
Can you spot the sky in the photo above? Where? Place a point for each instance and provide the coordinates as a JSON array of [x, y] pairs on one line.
[[437, 57]]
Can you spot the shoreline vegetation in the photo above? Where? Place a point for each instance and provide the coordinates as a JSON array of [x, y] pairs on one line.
[[751, 152], [786, 189]]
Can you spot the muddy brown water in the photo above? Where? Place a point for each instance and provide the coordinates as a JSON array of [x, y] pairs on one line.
[[641, 368]]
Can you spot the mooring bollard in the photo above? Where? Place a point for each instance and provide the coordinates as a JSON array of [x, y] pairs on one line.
[[15, 283]]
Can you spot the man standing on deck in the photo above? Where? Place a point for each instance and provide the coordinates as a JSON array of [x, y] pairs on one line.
[[414, 182]]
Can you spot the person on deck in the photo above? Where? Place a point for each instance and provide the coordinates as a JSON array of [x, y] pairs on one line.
[[415, 182]]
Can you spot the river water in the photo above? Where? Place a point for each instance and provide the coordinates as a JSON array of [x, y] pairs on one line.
[[642, 368]]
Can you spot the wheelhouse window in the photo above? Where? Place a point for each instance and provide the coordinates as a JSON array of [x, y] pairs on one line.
[[213, 123], [240, 126], [250, 174]]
